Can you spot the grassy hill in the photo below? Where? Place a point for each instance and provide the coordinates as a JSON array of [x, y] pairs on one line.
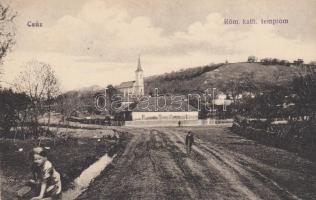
[[219, 76]]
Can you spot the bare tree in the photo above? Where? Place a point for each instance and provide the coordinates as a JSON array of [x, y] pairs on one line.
[[7, 32], [68, 104], [39, 82]]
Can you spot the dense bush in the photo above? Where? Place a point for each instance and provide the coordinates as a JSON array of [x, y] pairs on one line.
[[11, 104], [252, 59], [296, 106], [274, 61], [298, 136]]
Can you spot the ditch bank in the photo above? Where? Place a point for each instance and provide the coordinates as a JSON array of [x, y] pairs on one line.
[[82, 182]]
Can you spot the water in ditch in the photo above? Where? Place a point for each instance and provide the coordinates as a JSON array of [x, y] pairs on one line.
[[82, 182]]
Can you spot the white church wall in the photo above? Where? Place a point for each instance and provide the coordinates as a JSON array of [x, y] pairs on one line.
[[164, 116], [174, 123]]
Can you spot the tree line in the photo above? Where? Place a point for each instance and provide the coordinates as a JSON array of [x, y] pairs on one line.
[[35, 89]]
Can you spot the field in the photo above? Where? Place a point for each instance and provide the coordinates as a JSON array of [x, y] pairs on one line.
[[152, 164]]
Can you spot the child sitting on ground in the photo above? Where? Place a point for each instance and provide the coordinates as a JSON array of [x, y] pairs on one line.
[[46, 183]]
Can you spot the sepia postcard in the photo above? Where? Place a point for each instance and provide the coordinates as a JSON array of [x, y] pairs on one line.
[[157, 99]]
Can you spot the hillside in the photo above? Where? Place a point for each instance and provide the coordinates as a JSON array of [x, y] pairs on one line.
[[219, 76], [197, 80]]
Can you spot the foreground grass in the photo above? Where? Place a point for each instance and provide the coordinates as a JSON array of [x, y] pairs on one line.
[[70, 157]]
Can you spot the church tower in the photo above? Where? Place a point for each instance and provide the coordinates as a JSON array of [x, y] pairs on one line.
[[139, 81]]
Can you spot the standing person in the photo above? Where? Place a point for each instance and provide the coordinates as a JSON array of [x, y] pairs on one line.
[[46, 183], [189, 140], [179, 123]]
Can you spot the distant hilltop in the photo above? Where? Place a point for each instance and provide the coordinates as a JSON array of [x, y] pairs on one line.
[[224, 75]]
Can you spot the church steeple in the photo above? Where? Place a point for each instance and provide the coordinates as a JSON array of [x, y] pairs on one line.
[[139, 67], [139, 80]]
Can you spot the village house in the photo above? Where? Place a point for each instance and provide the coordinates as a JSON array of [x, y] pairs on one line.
[[222, 100]]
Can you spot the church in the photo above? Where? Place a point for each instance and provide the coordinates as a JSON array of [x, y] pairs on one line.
[[154, 113], [135, 87]]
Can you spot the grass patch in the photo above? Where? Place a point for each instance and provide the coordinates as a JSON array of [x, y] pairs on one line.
[[70, 157]]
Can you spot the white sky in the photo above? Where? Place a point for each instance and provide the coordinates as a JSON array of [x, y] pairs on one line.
[[92, 42]]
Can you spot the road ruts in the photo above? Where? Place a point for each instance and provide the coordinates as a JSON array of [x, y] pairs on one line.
[[246, 179], [230, 184], [204, 179], [154, 165], [146, 170]]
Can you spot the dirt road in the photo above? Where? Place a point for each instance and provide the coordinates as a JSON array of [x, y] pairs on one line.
[[154, 165]]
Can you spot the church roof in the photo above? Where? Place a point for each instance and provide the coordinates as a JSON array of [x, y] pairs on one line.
[[172, 105], [127, 84], [130, 84]]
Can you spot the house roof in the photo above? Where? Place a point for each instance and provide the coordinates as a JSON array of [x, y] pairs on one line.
[[149, 104], [127, 84]]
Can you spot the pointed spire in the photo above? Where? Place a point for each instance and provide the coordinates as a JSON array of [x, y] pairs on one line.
[[139, 67]]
